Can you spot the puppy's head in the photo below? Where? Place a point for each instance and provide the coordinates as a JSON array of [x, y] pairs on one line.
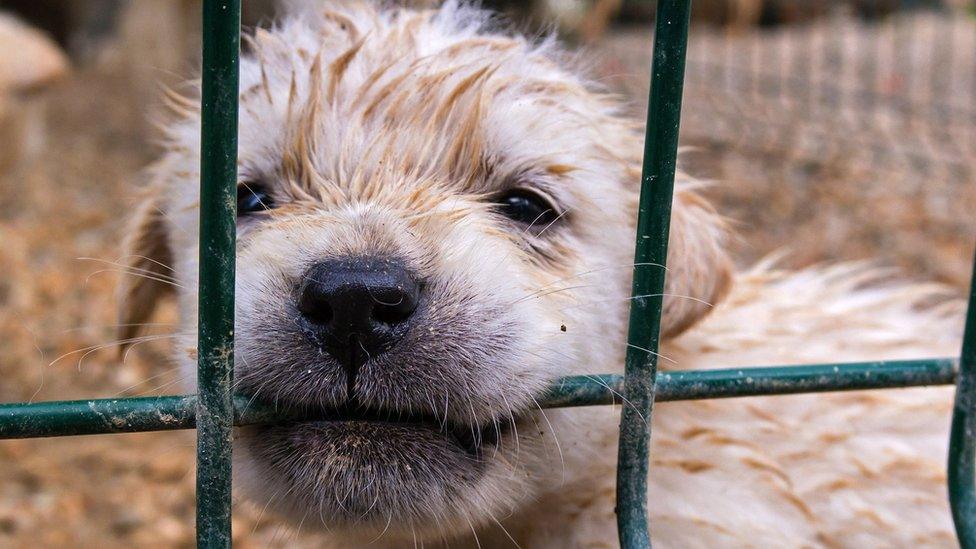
[[435, 222]]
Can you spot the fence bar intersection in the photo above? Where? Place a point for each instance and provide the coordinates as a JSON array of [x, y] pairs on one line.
[[651, 251]]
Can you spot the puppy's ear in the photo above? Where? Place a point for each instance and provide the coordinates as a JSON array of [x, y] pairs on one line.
[[699, 268], [148, 259]]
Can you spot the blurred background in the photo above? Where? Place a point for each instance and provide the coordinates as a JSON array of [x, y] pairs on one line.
[[832, 130]]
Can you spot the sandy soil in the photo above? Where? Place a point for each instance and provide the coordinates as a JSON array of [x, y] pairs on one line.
[[57, 310]]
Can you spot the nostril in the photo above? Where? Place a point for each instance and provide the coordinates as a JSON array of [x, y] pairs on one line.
[[395, 311], [316, 311], [314, 301]]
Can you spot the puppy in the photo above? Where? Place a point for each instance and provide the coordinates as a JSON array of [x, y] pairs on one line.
[[436, 221]]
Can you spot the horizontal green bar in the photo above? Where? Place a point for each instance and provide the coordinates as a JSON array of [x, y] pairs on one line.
[[771, 380], [129, 415]]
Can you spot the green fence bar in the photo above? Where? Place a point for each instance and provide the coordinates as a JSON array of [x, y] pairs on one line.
[[218, 216], [95, 417], [962, 436], [766, 381], [164, 413], [653, 223]]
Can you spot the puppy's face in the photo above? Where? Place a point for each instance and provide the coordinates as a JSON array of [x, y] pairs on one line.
[[435, 222]]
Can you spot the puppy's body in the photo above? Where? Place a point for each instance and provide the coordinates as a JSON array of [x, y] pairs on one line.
[[420, 146], [860, 469]]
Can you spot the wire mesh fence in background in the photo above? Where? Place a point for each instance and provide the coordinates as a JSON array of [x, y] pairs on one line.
[[894, 93], [835, 130]]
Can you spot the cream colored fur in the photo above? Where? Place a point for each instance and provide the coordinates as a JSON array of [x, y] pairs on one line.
[[860, 469], [389, 132]]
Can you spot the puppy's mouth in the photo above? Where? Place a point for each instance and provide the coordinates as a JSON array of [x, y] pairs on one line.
[[354, 415], [472, 438], [387, 448], [364, 467]]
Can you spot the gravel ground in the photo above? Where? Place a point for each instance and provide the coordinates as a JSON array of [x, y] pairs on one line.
[[56, 310]]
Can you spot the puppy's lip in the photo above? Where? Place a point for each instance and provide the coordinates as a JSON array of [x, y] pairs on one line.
[[471, 437]]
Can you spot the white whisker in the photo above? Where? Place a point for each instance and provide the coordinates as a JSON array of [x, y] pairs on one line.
[[659, 355], [617, 299]]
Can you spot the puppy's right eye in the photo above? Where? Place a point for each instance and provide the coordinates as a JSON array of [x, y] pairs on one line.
[[527, 208], [252, 198]]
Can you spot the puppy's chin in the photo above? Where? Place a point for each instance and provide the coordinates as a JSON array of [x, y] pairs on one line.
[[373, 475]]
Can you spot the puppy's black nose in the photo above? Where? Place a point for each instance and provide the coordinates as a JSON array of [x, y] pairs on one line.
[[357, 307]]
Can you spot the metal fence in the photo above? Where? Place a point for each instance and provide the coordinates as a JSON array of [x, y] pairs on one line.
[[893, 89], [214, 410]]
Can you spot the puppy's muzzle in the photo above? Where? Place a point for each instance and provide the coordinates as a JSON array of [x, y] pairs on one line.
[[356, 308]]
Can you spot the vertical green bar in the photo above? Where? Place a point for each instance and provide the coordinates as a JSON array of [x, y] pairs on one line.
[[962, 437], [218, 205], [653, 222]]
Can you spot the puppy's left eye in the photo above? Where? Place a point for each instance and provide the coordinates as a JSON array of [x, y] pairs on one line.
[[252, 198], [527, 207]]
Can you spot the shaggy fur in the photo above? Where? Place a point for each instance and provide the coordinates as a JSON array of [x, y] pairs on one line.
[[392, 133]]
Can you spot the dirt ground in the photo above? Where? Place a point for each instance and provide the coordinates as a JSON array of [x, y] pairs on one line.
[[57, 308]]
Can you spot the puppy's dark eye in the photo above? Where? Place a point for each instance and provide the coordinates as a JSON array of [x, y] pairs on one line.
[[252, 198], [527, 207]]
